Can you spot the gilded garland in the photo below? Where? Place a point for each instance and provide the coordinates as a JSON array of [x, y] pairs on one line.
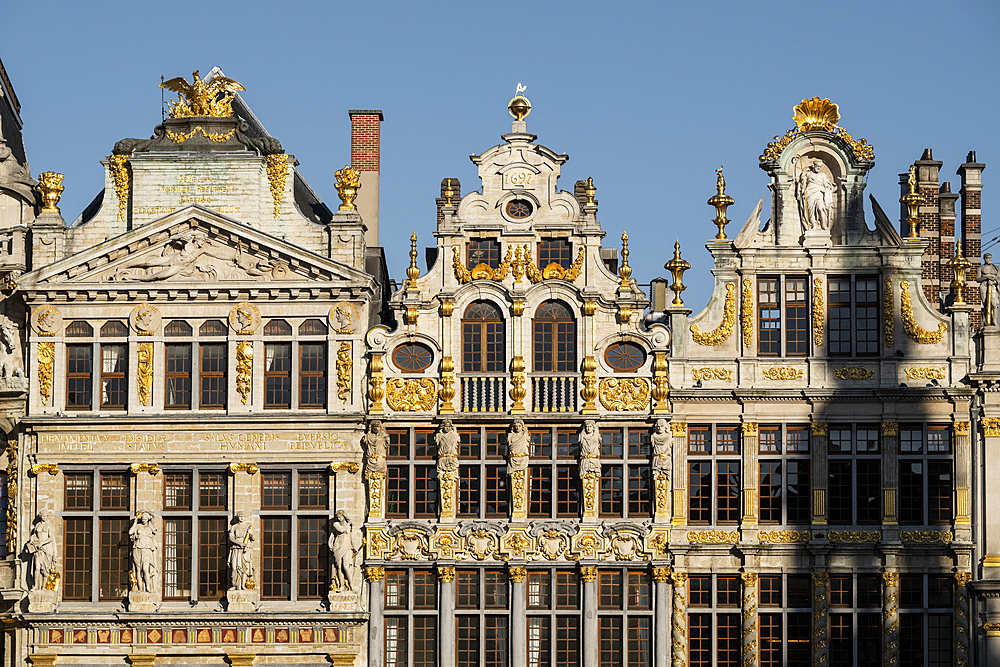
[[782, 373], [344, 371], [889, 323], [244, 369], [817, 312], [624, 394], [812, 115], [144, 372], [277, 173], [720, 334], [910, 326], [746, 313], [46, 355], [121, 174], [179, 138], [854, 373], [12, 496]]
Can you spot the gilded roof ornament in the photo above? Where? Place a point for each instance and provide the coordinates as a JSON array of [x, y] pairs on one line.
[[624, 271], [412, 271], [721, 201], [519, 106], [348, 183], [816, 114], [677, 267], [198, 99]]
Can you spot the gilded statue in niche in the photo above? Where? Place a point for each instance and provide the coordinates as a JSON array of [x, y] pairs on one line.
[[142, 534], [814, 191]]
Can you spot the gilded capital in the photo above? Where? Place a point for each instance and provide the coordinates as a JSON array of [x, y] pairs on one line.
[[588, 574], [819, 428], [679, 578], [446, 573], [749, 578], [821, 578], [250, 468], [890, 428], [517, 574], [992, 629], [991, 427], [961, 428], [151, 468], [38, 468], [661, 574], [891, 578], [678, 429], [963, 578], [750, 428], [349, 466], [374, 574]]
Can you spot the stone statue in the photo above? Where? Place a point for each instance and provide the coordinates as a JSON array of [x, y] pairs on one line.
[[11, 361], [193, 255], [41, 550], [814, 190], [590, 449], [517, 447], [662, 441], [143, 537], [447, 448], [375, 442], [345, 543], [988, 276], [241, 552]]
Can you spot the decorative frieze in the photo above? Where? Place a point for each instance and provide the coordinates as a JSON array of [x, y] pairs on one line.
[[783, 536], [854, 373], [854, 536], [411, 394], [713, 536], [709, 373], [782, 373], [926, 536]]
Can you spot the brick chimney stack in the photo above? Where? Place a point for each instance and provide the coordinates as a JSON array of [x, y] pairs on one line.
[[928, 170], [971, 174], [365, 129]]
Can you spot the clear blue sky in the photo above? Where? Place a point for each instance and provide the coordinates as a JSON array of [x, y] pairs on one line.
[[648, 98]]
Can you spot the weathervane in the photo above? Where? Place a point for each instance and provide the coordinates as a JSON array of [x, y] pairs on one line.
[[519, 106]]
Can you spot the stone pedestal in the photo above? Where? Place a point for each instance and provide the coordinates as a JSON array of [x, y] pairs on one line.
[[816, 238], [142, 602], [42, 601], [242, 601], [989, 361], [345, 601]]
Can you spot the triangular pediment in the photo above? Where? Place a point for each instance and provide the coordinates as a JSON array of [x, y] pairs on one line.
[[193, 247]]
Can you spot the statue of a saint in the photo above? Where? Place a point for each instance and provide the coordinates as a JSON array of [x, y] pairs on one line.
[[446, 440], [590, 449], [662, 441], [345, 543], [988, 276], [241, 552], [375, 442], [814, 190], [143, 537], [41, 550], [517, 447]]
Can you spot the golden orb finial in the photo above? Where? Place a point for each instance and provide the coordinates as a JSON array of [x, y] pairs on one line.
[[721, 201], [677, 267], [624, 271], [413, 271], [519, 106]]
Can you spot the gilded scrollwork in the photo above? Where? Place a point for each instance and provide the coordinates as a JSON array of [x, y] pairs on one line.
[[926, 373], [817, 114], [709, 373], [121, 174], [344, 369], [746, 312], [888, 314], [854, 373], [624, 394], [926, 536], [410, 394], [783, 536], [144, 372], [277, 174], [720, 334], [46, 356], [713, 536], [38, 468], [12, 495], [817, 311], [244, 369], [855, 536], [782, 373], [910, 326], [149, 468], [247, 467]]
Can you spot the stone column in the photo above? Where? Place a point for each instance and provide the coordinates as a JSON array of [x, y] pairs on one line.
[[818, 448], [376, 598], [678, 624], [519, 624], [446, 618], [890, 472], [679, 432], [751, 474], [661, 624], [591, 633], [750, 648], [890, 617], [821, 625], [962, 618], [963, 476]]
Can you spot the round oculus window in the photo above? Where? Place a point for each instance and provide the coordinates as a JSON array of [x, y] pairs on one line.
[[518, 209], [626, 357], [412, 357]]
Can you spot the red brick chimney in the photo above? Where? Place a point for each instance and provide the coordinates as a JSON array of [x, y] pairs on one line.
[[365, 127], [971, 174]]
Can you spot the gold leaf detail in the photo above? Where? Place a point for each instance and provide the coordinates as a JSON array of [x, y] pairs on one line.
[[782, 373], [46, 355], [720, 334], [411, 394], [462, 274], [816, 114], [144, 372], [818, 312], [889, 323], [783, 536], [854, 536], [121, 174], [709, 373], [713, 536], [746, 313], [244, 369], [854, 373], [910, 326], [277, 174], [622, 394], [926, 536], [344, 365], [926, 373]]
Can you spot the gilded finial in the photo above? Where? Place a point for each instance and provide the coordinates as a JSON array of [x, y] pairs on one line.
[[519, 106], [816, 114], [721, 201], [200, 99], [348, 183], [624, 271], [448, 192], [912, 200], [51, 188], [412, 271], [590, 191], [677, 267], [958, 265]]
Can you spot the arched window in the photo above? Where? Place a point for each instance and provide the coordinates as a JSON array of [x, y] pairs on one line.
[[554, 336], [484, 343]]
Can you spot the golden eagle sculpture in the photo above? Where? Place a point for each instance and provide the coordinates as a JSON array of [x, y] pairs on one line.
[[198, 99]]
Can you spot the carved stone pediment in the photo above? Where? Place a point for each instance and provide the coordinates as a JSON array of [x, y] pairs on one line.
[[192, 246]]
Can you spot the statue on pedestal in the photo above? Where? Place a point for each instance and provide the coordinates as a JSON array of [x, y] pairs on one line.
[[143, 537], [345, 543], [814, 191], [590, 449], [662, 441], [41, 550], [375, 442], [241, 553], [517, 447], [988, 276], [447, 448]]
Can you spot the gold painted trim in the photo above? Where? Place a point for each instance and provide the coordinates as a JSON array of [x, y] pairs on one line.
[[144, 372], [888, 313], [249, 468], [818, 311], [39, 468], [350, 466], [151, 468], [244, 369], [913, 330], [121, 174], [277, 175], [46, 357], [746, 313], [720, 334], [624, 394]]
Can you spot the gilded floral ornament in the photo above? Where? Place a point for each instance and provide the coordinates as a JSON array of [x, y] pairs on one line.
[[713, 536], [926, 373], [709, 373], [277, 174], [181, 137], [46, 356], [144, 372], [38, 468], [482, 271], [624, 394], [817, 312], [249, 468], [910, 326], [746, 313], [348, 183], [854, 373], [816, 114], [149, 468], [782, 373], [889, 321], [198, 99], [12, 513], [926, 536], [50, 187], [854, 536], [244, 369], [720, 334], [121, 174], [410, 394], [783, 536], [344, 366]]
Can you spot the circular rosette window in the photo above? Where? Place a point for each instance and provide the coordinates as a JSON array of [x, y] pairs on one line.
[[625, 357], [412, 357], [518, 209]]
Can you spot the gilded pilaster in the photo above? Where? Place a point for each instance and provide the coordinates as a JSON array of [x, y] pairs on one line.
[[890, 472], [962, 639], [591, 481], [963, 473], [678, 625], [376, 388], [519, 494], [750, 649], [818, 446], [821, 626], [661, 387], [751, 473], [679, 432], [890, 618]]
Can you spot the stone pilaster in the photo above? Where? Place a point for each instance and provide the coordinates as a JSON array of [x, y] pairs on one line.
[[448, 484], [890, 617], [679, 432], [890, 472], [962, 639], [990, 549], [750, 649], [376, 598], [446, 618], [661, 636], [963, 475], [519, 494], [821, 625], [818, 446], [751, 474], [376, 495], [678, 624], [518, 610]]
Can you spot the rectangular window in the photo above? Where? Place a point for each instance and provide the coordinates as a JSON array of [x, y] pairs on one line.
[[727, 440], [939, 491], [496, 491], [870, 640], [610, 590], [79, 376], [839, 315], [425, 491], [497, 634], [770, 640], [700, 641], [495, 589], [78, 558], [940, 642], [539, 590], [568, 640], [611, 641], [313, 557], [115, 562], [699, 492], [640, 641], [276, 557], [911, 492], [554, 251], [177, 533], [611, 490], [567, 491], [841, 488], [699, 440], [397, 492], [841, 640], [639, 501], [539, 490], [769, 440], [312, 375], [278, 375], [483, 251], [424, 641], [869, 491], [468, 491], [770, 491], [539, 641], [797, 439], [212, 375], [468, 649], [727, 640], [178, 376], [799, 650], [866, 314], [768, 317], [114, 375], [728, 489], [797, 491], [796, 317], [213, 556], [395, 642], [911, 639]]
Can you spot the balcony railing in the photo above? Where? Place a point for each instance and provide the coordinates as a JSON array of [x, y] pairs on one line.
[[484, 394], [550, 393]]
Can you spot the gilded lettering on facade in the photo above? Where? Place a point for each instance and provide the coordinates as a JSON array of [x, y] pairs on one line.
[[411, 394], [708, 373], [624, 394], [721, 333], [244, 369], [910, 326], [854, 373], [345, 366], [782, 373]]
